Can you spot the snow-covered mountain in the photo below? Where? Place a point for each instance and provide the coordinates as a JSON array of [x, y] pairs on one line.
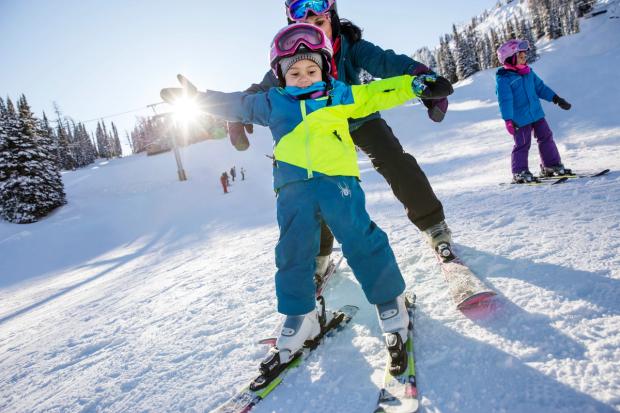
[[146, 294]]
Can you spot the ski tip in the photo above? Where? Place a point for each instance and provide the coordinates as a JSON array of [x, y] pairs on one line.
[[603, 172], [271, 341], [476, 300]]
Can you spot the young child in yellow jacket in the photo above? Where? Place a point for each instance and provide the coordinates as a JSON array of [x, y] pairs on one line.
[[316, 176]]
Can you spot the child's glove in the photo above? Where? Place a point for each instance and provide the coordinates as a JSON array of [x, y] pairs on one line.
[[237, 135], [187, 89], [561, 102], [431, 86], [437, 108], [511, 127]]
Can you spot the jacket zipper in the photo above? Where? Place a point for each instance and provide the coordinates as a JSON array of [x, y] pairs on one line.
[[307, 128]]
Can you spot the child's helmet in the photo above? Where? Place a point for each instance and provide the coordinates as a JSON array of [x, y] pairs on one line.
[[299, 36], [297, 10], [510, 48]]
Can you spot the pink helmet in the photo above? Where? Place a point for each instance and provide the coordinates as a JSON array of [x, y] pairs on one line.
[[510, 48], [291, 38]]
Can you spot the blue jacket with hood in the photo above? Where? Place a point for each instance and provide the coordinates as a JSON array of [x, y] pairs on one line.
[[519, 96]]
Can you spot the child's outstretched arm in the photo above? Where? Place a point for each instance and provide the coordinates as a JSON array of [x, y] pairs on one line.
[[235, 106], [392, 92]]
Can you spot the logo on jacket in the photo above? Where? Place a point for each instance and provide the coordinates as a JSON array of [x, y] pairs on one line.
[[345, 191]]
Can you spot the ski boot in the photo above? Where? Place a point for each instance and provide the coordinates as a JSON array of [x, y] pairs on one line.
[[439, 237], [524, 177], [555, 170], [394, 321], [298, 332]]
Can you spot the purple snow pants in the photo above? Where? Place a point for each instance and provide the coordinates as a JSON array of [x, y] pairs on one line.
[[549, 154]]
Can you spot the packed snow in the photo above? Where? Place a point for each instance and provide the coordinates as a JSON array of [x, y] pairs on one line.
[[146, 294]]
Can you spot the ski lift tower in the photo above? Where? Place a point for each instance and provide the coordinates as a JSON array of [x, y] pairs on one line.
[[175, 147]]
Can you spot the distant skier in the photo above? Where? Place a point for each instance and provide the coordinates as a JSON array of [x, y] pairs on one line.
[[519, 91], [224, 181], [317, 178], [233, 173], [242, 174]]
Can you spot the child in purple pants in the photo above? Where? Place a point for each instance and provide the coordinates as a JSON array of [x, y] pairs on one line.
[[519, 91]]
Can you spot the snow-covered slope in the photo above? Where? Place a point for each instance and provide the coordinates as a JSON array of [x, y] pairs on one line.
[[147, 294]]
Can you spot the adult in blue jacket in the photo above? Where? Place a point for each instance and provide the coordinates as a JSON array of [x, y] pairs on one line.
[[519, 91], [352, 55]]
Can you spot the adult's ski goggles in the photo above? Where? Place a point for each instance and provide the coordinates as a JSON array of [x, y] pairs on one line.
[[299, 9]]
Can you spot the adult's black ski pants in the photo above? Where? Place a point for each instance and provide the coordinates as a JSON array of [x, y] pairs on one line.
[[402, 173]]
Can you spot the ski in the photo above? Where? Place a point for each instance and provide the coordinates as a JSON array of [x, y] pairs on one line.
[[575, 175], [321, 283], [246, 398], [466, 289], [554, 180], [399, 394]]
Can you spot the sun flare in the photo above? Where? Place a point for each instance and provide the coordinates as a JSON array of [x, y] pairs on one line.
[[185, 110]]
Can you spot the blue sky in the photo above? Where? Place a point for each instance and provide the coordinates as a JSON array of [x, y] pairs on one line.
[[97, 58]]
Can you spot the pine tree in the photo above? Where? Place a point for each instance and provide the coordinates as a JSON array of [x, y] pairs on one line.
[[88, 148], [52, 146], [510, 32], [532, 53], [486, 53], [31, 187], [569, 20], [447, 59], [65, 156], [473, 46], [426, 57], [53, 180], [495, 44], [102, 144], [116, 142], [3, 142]]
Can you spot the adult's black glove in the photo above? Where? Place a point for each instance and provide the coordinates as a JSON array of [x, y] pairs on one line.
[[238, 138], [431, 86], [561, 102]]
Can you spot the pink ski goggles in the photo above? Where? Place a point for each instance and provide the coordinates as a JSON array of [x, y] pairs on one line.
[[288, 40], [299, 10], [292, 37], [510, 48]]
